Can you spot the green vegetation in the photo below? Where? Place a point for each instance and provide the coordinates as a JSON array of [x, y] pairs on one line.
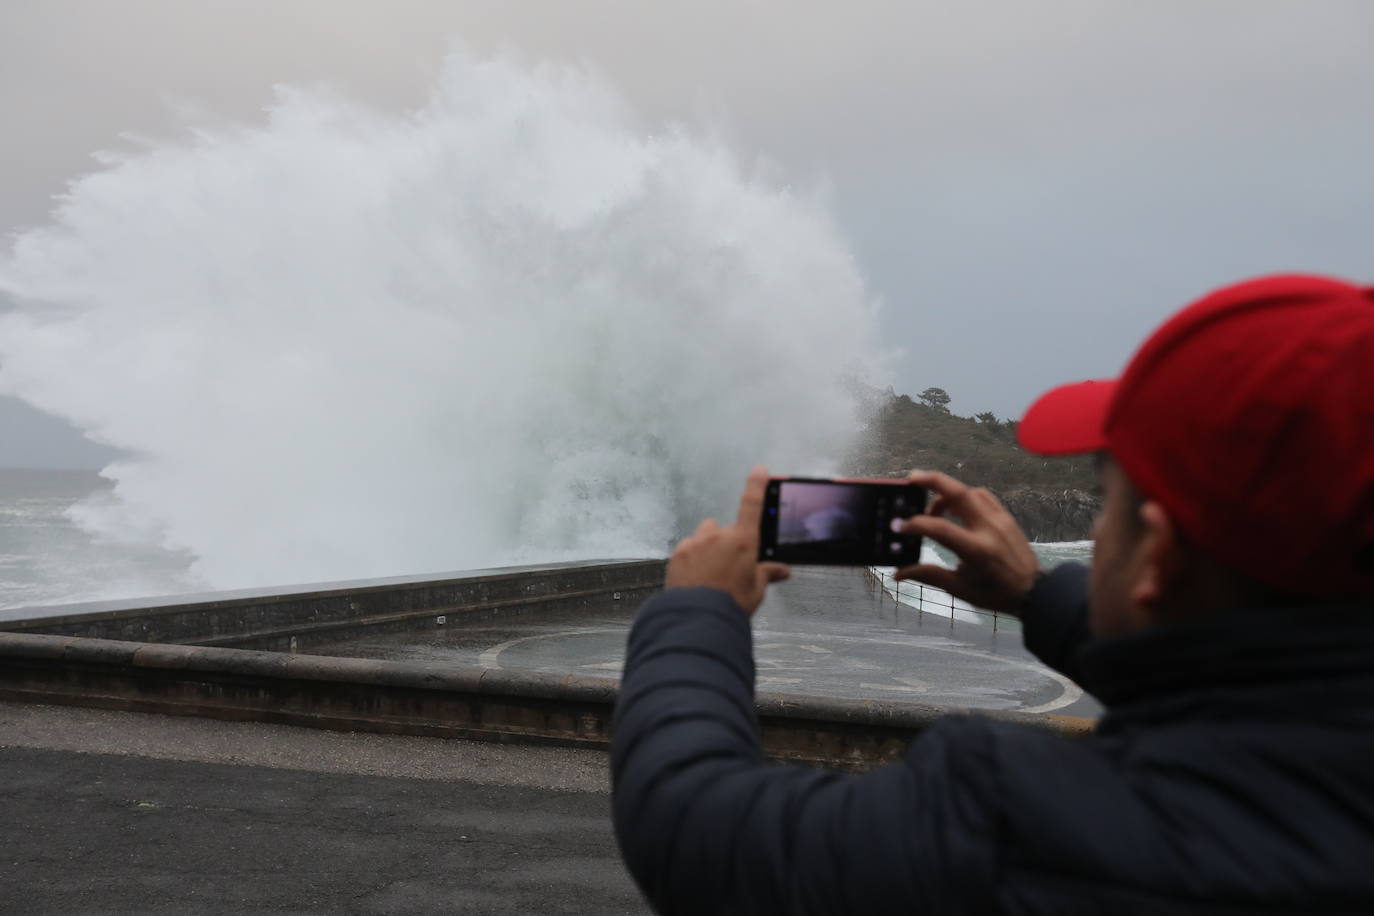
[[935, 399], [981, 450]]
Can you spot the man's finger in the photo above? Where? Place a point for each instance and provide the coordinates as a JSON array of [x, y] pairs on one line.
[[944, 485], [751, 504], [975, 504], [930, 574], [776, 572], [956, 537]]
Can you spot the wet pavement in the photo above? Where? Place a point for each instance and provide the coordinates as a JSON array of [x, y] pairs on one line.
[[117, 812], [827, 633]]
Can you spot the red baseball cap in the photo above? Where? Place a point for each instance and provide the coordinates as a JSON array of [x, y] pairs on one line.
[[1249, 416]]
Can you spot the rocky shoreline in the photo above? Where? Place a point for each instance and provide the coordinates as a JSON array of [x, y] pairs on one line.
[[1052, 514]]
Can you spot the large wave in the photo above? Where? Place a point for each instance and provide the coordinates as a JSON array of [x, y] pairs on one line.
[[510, 326]]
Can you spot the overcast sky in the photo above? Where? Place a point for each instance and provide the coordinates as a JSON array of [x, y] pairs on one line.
[[1028, 185]]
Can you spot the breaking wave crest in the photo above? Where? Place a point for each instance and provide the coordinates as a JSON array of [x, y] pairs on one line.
[[510, 326]]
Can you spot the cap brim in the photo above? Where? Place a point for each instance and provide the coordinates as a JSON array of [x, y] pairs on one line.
[[1068, 420]]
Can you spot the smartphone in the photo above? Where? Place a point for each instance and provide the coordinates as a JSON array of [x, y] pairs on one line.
[[839, 521]]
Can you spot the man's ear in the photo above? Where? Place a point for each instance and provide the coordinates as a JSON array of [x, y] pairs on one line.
[[1160, 561]]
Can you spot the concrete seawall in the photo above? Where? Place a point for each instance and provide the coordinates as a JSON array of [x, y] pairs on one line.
[[294, 619]]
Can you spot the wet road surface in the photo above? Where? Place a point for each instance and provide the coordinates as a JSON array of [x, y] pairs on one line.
[[827, 632], [117, 812]]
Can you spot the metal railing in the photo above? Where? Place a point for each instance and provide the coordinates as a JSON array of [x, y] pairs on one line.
[[927, 599]]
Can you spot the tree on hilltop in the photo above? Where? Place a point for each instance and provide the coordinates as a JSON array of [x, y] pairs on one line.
[[935, 398]]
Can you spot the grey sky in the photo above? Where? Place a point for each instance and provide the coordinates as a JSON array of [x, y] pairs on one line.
[[1027, 186]]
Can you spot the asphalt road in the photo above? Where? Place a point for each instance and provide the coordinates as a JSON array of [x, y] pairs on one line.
[[108, 812]]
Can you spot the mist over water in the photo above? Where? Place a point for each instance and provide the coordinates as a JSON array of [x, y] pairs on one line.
[[511, 326]]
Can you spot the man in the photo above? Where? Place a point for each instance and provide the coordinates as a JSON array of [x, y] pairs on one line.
[[1227, 626]]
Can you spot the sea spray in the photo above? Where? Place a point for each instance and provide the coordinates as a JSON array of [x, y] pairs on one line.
[[511, 326]]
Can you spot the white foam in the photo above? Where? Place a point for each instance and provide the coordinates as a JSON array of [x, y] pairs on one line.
[[508, 326]]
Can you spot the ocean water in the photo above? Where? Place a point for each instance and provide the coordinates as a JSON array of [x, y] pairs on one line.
[[46, 558], [1051, 554]]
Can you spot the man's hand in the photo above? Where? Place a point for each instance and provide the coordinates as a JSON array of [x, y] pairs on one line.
[[726, 558], [996, 564]]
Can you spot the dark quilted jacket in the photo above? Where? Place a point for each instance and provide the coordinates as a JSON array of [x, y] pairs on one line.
[[1232, 773]]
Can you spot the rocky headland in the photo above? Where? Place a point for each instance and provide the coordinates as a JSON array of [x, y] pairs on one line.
[[1053, 499]]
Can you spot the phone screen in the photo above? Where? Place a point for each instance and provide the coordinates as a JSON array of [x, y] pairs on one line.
[[839, 522]]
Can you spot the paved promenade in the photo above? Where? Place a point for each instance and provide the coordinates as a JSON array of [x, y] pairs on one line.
[[825, 633], [111, 812]]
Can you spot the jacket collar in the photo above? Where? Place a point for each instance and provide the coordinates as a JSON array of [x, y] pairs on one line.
[[1293, 648]]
